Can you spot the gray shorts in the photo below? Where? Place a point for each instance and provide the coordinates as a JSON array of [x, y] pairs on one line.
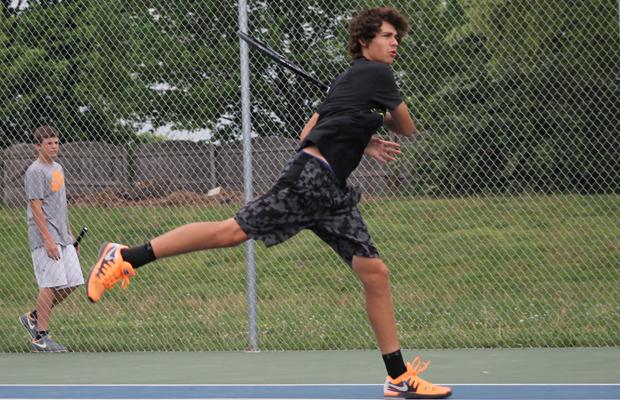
[[59, 274], [309, 196]]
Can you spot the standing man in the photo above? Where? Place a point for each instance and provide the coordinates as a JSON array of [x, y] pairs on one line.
[[312, 193], [55, 259]]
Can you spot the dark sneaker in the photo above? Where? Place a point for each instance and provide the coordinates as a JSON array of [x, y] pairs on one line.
[[109, 269], [47, 345], [29, 324], [410, 386]]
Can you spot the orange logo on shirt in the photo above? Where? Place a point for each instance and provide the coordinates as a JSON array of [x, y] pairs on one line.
[[58, 180]]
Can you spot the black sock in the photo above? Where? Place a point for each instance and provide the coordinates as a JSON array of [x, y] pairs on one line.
[[33, 314], [139, 255], [394, 364], [40, 334]]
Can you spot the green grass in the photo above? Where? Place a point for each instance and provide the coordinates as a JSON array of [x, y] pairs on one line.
[[475, 272]]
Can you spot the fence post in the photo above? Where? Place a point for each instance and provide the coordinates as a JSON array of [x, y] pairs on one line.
[[247, 171]]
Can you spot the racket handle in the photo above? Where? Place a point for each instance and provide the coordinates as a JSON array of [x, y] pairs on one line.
[[80, 236]]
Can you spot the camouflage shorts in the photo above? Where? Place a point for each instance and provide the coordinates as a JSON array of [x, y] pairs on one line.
[[308, 196]]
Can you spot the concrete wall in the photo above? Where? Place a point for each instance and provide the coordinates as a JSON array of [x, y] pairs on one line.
[[15, 162], [89, 167], [170, 166], [269, 155], [157, 169]]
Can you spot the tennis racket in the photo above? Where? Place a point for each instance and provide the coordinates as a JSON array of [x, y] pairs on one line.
[[80, 236], [280, 59]]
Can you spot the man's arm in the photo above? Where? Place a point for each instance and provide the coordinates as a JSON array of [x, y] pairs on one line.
[[39, 219], [399, 120], [309, 125]]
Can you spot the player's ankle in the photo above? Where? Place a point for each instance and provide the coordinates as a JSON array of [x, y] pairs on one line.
[[139, 255], [394, 364]]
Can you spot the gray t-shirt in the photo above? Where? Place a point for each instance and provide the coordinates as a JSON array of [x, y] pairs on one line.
[[46, 182]]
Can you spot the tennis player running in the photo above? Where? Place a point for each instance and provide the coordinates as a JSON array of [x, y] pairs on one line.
[[311, 193]]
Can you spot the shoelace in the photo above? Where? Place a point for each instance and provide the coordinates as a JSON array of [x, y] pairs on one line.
[[127, 272], [109, 279], [416, 367]]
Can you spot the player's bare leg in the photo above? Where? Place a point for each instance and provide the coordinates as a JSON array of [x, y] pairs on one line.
[[374, 275], [61, 294], [198, 236], [45, 302], [113, 266]]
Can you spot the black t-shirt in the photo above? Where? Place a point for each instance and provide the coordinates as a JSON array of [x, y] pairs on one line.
[[349, 116]]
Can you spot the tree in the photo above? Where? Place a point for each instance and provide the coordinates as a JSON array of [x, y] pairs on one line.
[[94, 69], [48, 44], [312, 35], [543, 116]]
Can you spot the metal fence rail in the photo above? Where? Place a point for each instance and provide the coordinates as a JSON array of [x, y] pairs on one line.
[[500, 222]]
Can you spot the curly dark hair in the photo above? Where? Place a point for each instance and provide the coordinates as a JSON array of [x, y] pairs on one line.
[[366, 24]]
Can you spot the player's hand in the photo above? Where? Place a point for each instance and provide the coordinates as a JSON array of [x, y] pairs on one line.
[[52, 249], [383, 151]]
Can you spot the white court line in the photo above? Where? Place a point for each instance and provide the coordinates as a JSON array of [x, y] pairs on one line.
[[533, 384], [264, 398], [287, 384], [189, 384]]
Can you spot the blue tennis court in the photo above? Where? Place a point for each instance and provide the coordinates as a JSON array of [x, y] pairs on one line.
[[332, 391]]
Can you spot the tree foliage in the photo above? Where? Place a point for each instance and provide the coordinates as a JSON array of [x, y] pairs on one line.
[[95, 69], [543, 114], [516, 95]]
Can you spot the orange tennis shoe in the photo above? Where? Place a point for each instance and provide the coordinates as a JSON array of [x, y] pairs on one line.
[[109, 269], [410, 386]]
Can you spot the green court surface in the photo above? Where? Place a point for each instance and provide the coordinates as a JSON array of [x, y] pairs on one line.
[[480, 366]]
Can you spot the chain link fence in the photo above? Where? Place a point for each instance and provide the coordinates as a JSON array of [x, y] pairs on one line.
[[500, 221]]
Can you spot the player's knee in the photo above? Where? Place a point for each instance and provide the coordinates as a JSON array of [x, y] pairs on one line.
[[239, 237], [234, 234], [372, 271]]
